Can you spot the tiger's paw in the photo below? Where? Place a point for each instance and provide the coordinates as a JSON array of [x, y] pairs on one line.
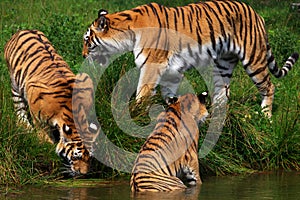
[[189, 176]]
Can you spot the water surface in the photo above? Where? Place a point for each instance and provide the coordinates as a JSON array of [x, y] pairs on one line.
[[257, 186]]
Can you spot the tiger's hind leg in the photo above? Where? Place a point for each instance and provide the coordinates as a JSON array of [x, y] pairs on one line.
[[190, 176], [189, 172], [266, 90], [257, 70], [222, 73]]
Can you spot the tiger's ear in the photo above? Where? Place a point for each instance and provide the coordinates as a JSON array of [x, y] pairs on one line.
[[171, 100], [102, 12], [202, 97], [102, 21]]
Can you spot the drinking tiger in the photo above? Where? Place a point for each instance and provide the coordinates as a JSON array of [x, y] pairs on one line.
[[43, 84]]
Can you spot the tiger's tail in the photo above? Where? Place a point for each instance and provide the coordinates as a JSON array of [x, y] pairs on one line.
[[280, 72]]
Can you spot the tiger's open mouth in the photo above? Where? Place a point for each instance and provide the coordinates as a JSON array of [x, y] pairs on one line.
[[203, 119], [98, 58]]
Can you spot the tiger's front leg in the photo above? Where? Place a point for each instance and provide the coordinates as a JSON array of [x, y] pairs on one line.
[[170, 82], [20, 107], [150, 76]]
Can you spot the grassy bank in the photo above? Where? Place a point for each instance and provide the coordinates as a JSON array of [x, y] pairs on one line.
[[249, 142]]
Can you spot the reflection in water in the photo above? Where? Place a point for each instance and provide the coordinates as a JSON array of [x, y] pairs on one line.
[[78, 194], [188, 194], [257, 186]]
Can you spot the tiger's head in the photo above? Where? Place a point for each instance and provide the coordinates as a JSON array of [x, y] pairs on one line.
[[108, 34], [75, 155], [190, 104], [76, 126], [74, 151]]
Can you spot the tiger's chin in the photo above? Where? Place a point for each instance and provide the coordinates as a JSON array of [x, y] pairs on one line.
[[76, 161], [79, 167], [76, 168]]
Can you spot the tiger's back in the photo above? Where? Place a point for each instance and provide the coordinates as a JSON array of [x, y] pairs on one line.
[[169, 158], [43, 84], [38, 74]]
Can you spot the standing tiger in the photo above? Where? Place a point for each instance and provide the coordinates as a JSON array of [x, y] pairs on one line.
[[169, 157], [167, 41], [43, 83]]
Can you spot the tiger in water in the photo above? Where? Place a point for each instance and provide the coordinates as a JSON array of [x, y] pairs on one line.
[[168, 159], [46, 92], [167, 41]]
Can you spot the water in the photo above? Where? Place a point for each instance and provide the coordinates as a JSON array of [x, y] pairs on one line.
[[258, 186]]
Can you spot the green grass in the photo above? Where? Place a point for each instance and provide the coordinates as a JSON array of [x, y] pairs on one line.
[[248, 143]]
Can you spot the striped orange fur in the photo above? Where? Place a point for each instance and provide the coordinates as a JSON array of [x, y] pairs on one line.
[[167, 41], [169, 158], [43, 86]]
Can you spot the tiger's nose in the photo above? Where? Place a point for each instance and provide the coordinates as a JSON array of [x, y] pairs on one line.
[[84, 54], [85, 50]]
